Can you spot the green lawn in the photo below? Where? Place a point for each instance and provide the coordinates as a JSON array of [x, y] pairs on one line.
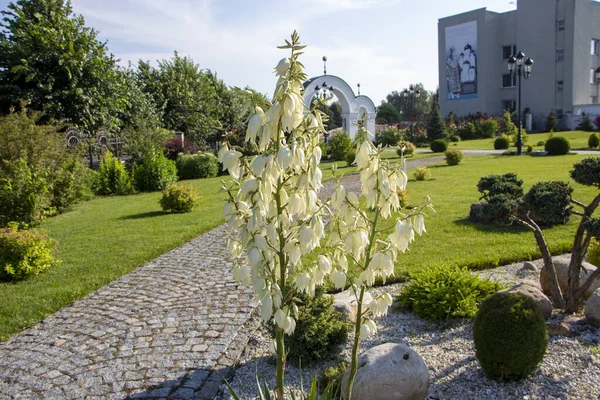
[[104, 238], [577, 139]]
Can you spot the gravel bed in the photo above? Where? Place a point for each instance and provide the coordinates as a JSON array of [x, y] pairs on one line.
[[568, 371]]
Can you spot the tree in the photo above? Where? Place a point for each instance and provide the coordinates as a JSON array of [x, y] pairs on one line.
[[51, 60], [336, 115], [551, 121], [586, 123], [387, 113], [420, 106], [436, 128]]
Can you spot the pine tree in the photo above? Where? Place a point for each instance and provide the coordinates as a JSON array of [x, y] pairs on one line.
[[436, 129]]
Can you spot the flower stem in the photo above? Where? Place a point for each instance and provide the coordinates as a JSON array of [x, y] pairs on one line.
[[280, 367]]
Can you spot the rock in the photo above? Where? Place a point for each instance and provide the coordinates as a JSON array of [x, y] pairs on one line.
[[531, 290], [592, 309], [389, 371], [561, 264], [345, 303], [476, 213], [557, 329], [529, 266]]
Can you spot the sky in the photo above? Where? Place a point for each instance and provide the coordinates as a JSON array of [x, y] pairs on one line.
[[384, 45]]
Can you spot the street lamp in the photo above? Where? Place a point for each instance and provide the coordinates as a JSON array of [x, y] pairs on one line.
[[523, 68], [411, 93]]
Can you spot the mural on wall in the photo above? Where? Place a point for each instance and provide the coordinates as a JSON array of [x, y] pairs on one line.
[[461, 61]]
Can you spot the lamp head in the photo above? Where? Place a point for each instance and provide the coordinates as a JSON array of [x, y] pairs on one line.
[[520, 57], [512, 61]]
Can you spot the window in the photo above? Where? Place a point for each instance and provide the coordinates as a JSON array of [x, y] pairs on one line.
[[594, 47], [592, 75], [508, 81], [560, 54], [508, 51], [559, 86], [559, 113], [510, 105], [560, 25]]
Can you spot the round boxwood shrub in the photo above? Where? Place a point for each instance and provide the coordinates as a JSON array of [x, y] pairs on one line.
[[557, 146], [179, 198], [24, 253], [454, 156], [446, 292], [594, 140], [455, 138], [438, 146], [509, 333], [550, 202], [529, 149], [541, 143], [422, 174], [501, 143], [154, 173], [199, 165], [320, 330]]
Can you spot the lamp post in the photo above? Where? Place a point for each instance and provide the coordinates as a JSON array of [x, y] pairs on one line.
[[411, 93], [523, 69]]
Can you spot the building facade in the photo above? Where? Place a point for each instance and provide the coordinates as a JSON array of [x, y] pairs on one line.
[[561, 36]]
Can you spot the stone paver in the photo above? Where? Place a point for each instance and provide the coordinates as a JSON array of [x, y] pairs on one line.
[[171, 328]]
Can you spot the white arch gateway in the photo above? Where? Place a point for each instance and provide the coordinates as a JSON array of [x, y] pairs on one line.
[[353, 107]]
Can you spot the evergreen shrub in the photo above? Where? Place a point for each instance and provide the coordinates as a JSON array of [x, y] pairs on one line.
[[179, 198], [112, 177], [594, 140], [501, 143], [509, 333], [422, 174], [438, 146], [154, 173], [195, 166], [557, 146], [454, 156], [549, 202], [24, 253]]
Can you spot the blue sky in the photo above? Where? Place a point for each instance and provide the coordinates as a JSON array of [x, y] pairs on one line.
[[382, 44]]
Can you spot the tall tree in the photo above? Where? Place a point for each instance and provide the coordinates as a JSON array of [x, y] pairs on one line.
[[387, 114], [336, 112], [403, 103], [436, 129], [51, 60]]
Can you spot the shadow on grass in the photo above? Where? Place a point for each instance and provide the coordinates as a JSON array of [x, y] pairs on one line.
[[514, 229], [148, 214]]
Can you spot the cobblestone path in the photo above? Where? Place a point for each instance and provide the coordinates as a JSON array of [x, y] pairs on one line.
[[171, 328]]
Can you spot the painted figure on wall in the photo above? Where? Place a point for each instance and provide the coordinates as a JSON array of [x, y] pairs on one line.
[[453, 75]]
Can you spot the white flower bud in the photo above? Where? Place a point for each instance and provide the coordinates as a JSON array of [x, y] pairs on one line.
[[282, 67], [338, 279], [266, 309], [284, 157], [324, 264], [280, 318]]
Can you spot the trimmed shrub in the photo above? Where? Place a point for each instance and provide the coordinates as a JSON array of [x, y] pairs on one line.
[[454, 156], [320, 330], [510, 336], [422, 174], [155, 173], [24, 253], [340, 145], [529, 149], [112, 177], [500, 210], [403, 198], [438, 146], [587, 171], [179, 198], [455, 138], [445, 292], [501, 143], [409, 148], [557, 146], [508, 184], [549, 202], [594, 140], [541, 143], [199, 165], [350, 157], [593, 252]]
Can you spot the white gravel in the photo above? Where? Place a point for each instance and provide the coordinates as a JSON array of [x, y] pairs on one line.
[[568, 371]]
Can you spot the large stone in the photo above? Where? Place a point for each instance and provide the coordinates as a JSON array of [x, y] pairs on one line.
[[345, 303], [592, 309], [529, 266], [476, 213], [561, 264], [389, 371], [533, 291]]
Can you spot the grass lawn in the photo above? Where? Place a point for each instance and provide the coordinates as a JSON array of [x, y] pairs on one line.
[[577, 139], [104, 238]]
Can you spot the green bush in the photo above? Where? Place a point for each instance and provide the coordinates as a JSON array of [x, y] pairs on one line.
[[350, 157], [593, 252], [320, 330], [39, 176], [442, 293], [389, 137], [586, 124], [112, 177], [508, 184], [438, 146], [454, 156], [179, 198], [510, 336], [549, 202], [541, 143], [529, 149], [199, 165], [422, 174], [486, 128], [455, 138], [587, 171], [557, 146], [409, 148], [594, 140], [340, 145], [403, 198], [24, 253], [466, 131], [332, 378], [500, 210], [501, 143], [154, 173]]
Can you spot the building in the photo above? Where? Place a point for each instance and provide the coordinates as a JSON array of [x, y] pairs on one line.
[[561, 36]]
